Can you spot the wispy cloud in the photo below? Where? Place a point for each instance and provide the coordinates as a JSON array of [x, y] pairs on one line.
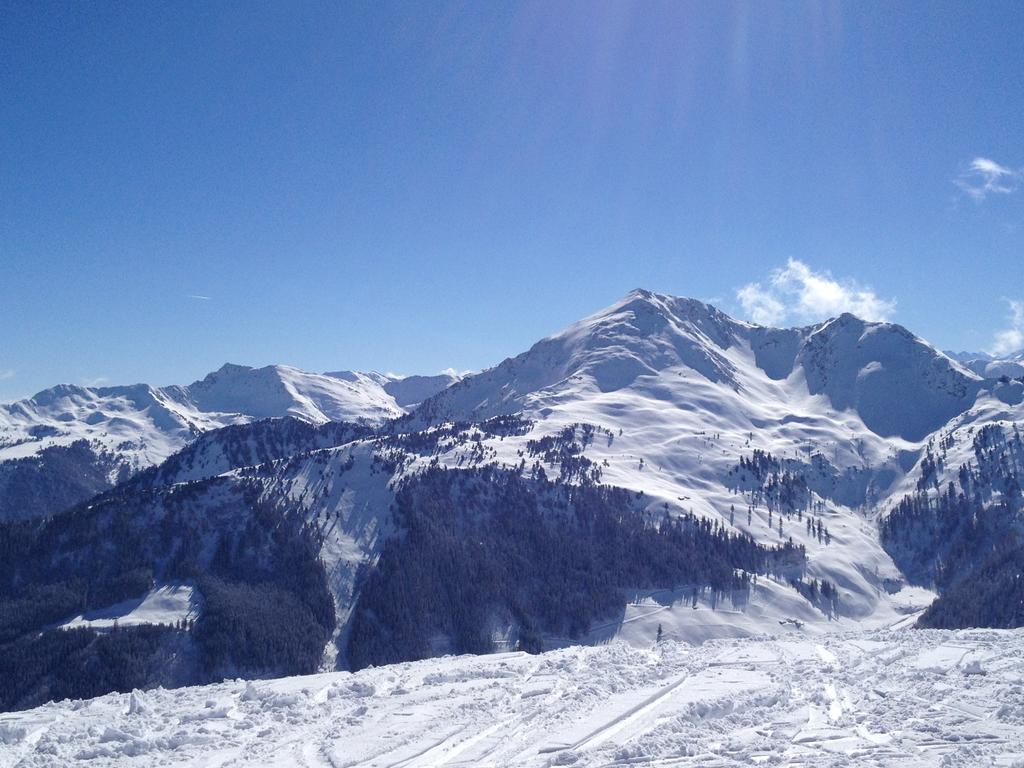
[[983, 177], [197, 297], [98, 381], [1011, 338], [797, 292], [7, 375]]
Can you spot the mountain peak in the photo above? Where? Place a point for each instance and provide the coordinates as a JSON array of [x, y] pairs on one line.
[[665, 302], [226, 371], [643, 314], [849, 317], [58, 391], [639, 293], [652, 342]]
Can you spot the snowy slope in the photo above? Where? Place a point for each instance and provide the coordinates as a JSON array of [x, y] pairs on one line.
[[280, 390], [247, 445], [345, 495], [999, 404], [407, 391], [164, 604], [912, 699], [870, 367]]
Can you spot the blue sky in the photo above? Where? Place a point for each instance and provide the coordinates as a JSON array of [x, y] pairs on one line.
[[410, 187]]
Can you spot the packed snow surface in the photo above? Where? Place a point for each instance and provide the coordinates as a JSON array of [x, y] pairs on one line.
[[879, 698]]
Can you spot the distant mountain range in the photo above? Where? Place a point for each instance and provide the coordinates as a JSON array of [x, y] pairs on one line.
[[984, 364], [654, 455], [71, 442]]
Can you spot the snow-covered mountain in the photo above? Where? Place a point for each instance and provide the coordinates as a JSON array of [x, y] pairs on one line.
[[685, 353], [116, 431], [986, 365], [148, 423], [829, 418], [657, 453]]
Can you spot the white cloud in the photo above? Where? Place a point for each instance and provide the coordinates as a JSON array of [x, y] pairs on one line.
[[796, 292], [197, 297], [7, 375], [98, 381], [760, 305], [983, 177], [1010, 339]]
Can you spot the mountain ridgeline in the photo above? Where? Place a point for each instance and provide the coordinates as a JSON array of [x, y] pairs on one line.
[[68, 443], [656, 465]]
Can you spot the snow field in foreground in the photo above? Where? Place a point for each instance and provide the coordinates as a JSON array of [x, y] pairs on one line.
[[877, 698]]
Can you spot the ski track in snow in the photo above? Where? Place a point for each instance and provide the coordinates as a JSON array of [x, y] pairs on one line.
[[874, 698]]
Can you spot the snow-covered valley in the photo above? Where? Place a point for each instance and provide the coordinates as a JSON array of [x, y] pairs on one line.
[[881, 698]]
